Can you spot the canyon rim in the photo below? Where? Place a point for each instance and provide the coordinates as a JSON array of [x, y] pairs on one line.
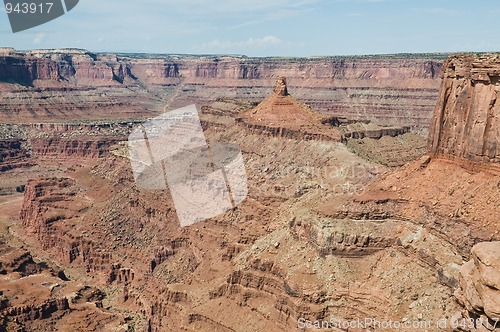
[[373, 194]]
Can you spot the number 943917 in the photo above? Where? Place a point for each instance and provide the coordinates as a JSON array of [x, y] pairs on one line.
[[29, 8]]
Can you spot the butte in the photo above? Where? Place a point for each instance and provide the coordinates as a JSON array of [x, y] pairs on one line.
[[283, 115]]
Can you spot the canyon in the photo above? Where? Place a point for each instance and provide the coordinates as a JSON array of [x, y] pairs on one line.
[[351, 214], [393, 90]]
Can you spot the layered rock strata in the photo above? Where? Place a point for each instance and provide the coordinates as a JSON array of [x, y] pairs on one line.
[[454, 191], [284, 116], [466, 123], [387, 89]]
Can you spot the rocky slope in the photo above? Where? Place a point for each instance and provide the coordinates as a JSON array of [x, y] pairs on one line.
[[391, 90], [37, 295], [454, 191], [273, 260], [283, 115], [462, 161]]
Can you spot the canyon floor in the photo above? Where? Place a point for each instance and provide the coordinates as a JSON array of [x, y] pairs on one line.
[[345, 221]]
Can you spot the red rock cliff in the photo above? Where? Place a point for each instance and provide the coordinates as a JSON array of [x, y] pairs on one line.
[[466, 123], [394, 90]]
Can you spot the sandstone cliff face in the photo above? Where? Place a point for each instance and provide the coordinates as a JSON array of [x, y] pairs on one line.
[[30, 67], [32, 312], [282, 115], [43, 217], [54, 69], [391, 90], [480, 281], [466, 122], [454, 191], [79, 140], [78, 147], [13, 154]]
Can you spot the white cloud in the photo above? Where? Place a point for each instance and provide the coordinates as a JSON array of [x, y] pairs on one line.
[[39, 38], [262, 42], [251, 46]]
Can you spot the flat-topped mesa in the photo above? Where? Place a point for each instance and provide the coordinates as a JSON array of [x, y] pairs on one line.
[[280, 88], [466, 122], [391, 90], [283, 115]]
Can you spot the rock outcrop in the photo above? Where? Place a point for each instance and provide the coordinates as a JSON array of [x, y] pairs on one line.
[[78, 147], [280, 88], [480, 281], [13, 154], [387, 89], [284, 116], [466, 123], [50, 209], [55, 68], [452, 192], [34, 312], [377, 133], [61, 140]]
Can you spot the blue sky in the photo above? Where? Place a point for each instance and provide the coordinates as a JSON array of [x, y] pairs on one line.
[[268, 27]]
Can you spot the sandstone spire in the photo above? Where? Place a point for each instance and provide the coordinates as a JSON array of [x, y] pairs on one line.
[[282, 114], [280, 88], [466, 123]]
